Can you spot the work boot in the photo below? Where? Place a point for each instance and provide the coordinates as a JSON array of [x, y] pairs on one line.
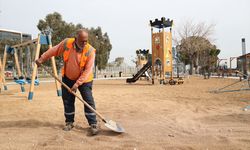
[[94, 129], [68, 126]]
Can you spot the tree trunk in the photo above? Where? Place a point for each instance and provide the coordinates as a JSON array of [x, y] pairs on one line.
[[191, 68], [191, 65]]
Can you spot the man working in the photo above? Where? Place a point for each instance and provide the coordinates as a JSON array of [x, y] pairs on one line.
[[79, 58]]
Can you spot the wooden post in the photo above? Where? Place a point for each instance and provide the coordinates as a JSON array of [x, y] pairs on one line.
[[53, 62], [152, 59], [17, 63], [4, 57], [3, 67], [28, 61], [1, 75], [34, 73], [163, 54], [171, 53], [21, 59]]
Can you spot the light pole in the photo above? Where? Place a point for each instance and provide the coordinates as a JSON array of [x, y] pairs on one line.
[[244, 57]]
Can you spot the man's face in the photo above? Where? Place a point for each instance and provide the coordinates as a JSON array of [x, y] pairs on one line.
[[81, 39]]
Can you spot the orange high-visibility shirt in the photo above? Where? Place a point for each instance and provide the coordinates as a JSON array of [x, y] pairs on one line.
[[73, 70]]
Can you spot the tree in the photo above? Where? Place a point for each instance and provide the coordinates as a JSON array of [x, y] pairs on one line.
[[213, 53], [61, 30], [102, 43], [203, 53], [192, 40], [119, 61]]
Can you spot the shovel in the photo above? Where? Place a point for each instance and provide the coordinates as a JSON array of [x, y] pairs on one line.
[[108, 123]]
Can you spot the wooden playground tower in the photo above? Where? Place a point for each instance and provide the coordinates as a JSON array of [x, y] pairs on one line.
[[142, 57], [161, 60], [43, 39], [162, 63]]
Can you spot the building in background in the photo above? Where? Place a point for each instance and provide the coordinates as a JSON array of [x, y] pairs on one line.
[[243, 61], [14, 35], [10, 37]]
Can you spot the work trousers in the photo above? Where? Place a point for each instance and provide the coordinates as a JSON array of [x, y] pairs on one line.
[[69, 101]]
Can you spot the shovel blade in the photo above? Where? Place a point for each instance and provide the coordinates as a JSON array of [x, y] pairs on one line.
[[114, 126]]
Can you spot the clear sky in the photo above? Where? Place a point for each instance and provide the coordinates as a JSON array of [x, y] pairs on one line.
[[127, 21]]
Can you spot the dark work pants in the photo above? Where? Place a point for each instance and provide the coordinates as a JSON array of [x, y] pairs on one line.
[[69, 101]]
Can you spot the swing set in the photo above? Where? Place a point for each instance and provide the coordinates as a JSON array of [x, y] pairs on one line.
[[245, 84], [32, 52]]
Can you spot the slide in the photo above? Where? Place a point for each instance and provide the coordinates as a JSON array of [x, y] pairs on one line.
[[139, 73]]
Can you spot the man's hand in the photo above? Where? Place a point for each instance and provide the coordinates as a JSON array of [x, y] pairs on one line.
[[38, 62], [74, 88]]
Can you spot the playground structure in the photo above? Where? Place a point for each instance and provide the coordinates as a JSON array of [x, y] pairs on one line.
[[241, 71], [242, 62], [224, 70], [43, 39], [140, 73], [161, 63], [243, 79], [142, 57]]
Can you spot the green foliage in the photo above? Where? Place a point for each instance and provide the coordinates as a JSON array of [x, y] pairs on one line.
[[213, 55], [198, 51], [102, 44], [184, 57], [62, 30], [119, 61], [214, 52]]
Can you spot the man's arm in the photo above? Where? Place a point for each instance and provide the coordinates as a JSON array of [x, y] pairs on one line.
[[87, 71], [54, 51]]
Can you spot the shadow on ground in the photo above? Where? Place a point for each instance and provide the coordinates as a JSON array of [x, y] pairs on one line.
[[31, 123]]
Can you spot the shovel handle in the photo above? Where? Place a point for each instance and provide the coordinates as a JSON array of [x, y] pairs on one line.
[[84, 102]]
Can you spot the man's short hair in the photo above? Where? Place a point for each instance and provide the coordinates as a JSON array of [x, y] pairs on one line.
[[81, 30]]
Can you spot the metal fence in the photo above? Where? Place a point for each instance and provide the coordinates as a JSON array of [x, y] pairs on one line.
[[122, 71]]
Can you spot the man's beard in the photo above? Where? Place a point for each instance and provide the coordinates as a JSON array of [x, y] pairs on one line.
[[78, 48]]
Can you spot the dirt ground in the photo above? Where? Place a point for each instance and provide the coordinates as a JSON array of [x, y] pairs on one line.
[[155, 117]]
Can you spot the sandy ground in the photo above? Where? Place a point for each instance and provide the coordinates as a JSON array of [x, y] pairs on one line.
[[154, 116]]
